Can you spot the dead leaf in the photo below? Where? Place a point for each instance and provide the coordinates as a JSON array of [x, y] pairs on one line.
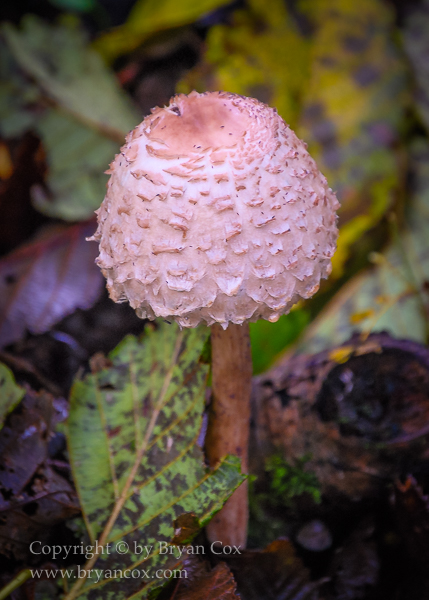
[[186, 527], [392, 296], [34, 497], [46, 280], [205, 584], [274, 573], [354, 109]]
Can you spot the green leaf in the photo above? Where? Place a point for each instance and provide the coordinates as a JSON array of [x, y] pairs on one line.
[[261, 54], [75, 5], [56, 85], [17, 95], [269, 339], [354, 110], [151, 16], [10, 393], [393, 296], [71, 74], [416, 42], [72, 148], [132, 435]]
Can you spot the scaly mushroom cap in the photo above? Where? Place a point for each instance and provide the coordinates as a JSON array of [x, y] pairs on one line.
[[215, 212]]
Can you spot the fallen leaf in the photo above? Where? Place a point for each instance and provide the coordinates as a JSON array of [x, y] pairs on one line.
[[121, 422], [148, 17], [274, 573], [261, 54], [46, 280], [354, 109], [57, 86], [33, 496], [206, 584], [72, 75], [392, 296], [186, 527]]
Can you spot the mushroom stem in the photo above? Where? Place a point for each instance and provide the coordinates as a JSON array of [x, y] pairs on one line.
[[229, 424]]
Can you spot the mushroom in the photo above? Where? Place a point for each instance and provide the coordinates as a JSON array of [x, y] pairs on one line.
[[216, 213]]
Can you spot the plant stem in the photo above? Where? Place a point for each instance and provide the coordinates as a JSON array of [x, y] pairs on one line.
[[229, 424]]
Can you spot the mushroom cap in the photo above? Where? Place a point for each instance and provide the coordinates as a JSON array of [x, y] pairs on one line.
[[215, 212]]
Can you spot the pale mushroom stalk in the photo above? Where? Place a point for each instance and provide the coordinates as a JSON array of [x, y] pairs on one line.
[[229, 424], [215, 213]]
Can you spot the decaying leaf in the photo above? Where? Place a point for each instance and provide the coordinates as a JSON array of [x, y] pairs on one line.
[[186, 527], [132, 437], [148, 17], [10, 393], [55, 84], [354, 110], [208, 584], [274, 573], [393, 296], [46, 280], [353, 418], [33, 495]]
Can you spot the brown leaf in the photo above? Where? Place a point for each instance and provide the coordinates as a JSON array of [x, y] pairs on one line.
[[274, 573], [217, 584], [185, 528], [33, 496], [46, 280]]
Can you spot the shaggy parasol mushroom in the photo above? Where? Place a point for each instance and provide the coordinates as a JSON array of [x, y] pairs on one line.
[[215, 212]]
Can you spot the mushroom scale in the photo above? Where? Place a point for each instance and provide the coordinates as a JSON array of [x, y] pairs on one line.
[[215, 212]]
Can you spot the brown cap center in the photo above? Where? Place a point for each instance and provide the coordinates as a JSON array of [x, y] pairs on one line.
[[199, 123]]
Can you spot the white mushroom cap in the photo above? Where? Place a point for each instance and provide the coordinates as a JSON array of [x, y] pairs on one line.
[[215, 212]]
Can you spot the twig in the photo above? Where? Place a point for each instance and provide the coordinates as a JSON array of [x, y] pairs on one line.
[[15, 583], [24, 365]]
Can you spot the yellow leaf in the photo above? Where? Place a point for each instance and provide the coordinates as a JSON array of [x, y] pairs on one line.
[[261, 54], [148, 17], [354, 107], [361, 316], [341, 355]]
